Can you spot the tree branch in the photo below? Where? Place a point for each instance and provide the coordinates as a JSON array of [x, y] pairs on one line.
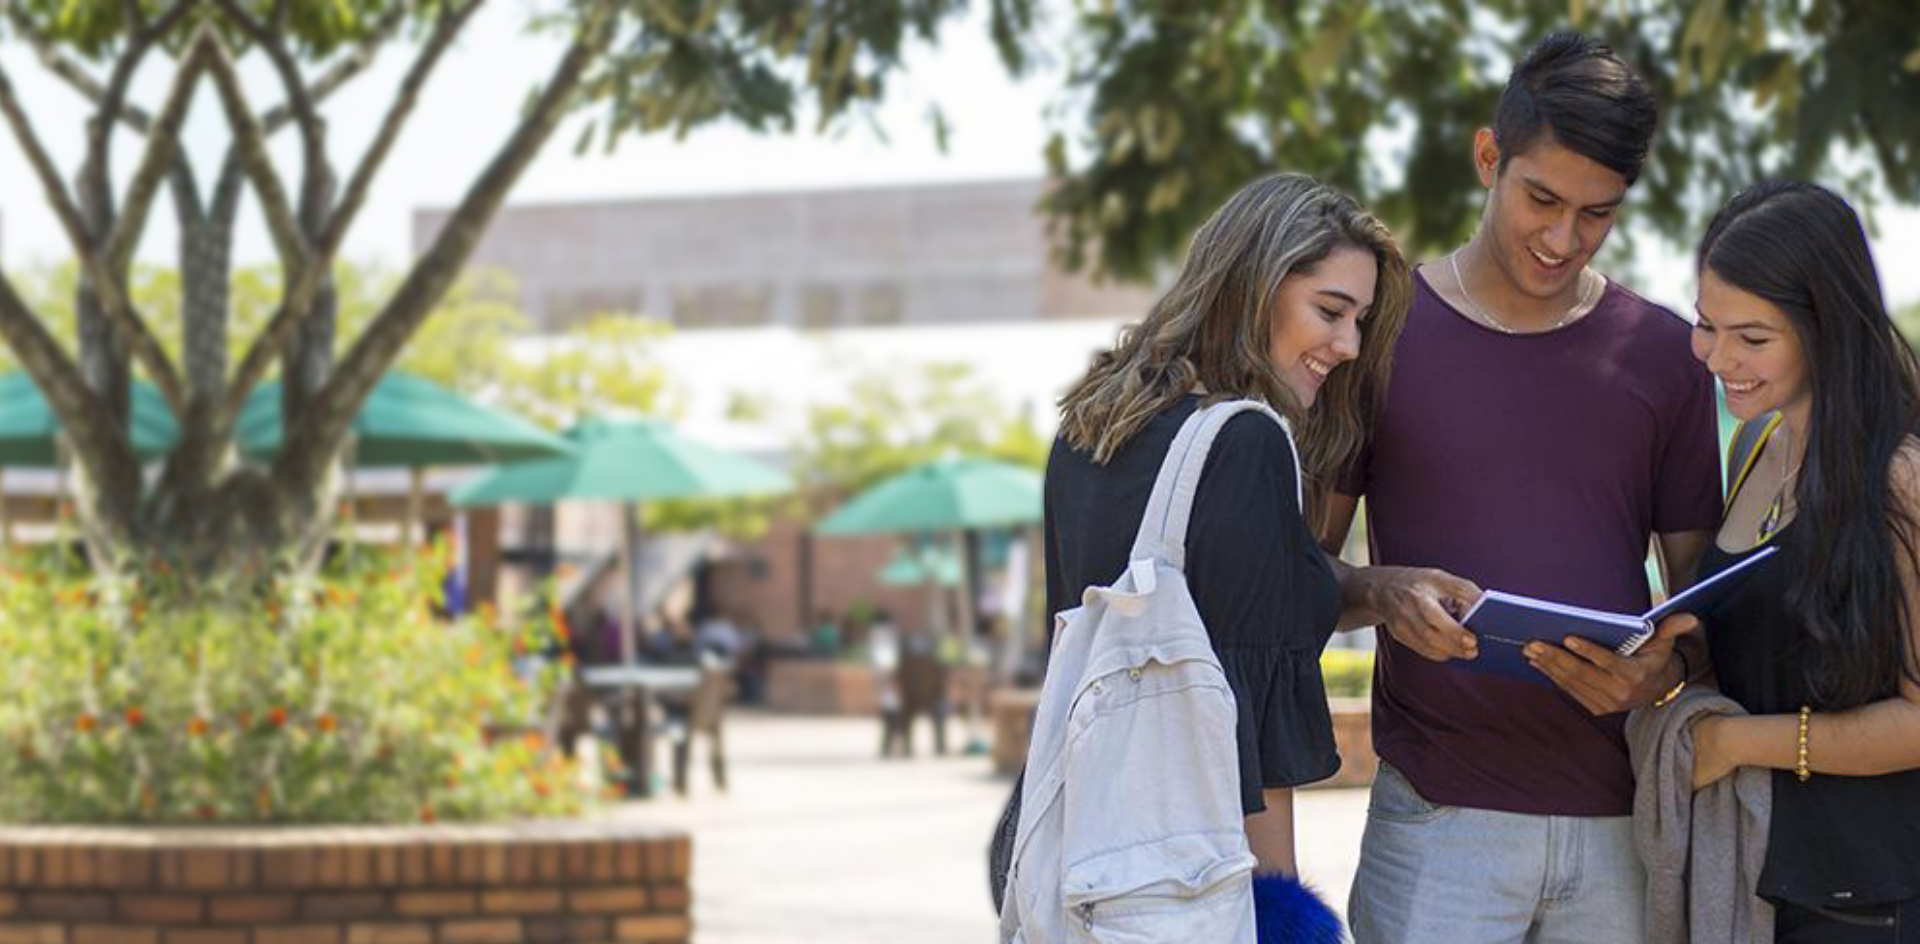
[[343, 71], [105, 454], [312, 130], [186, 191], [70, 71], [63, 206], [112, 298], [444, 32], [226, 192], [95, 171], [312, 441], [258, 164], [162, 149], [186, 194], [298, 299]]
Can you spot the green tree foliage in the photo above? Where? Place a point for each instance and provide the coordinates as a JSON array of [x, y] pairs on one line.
[[893, 421], [1174, 105]]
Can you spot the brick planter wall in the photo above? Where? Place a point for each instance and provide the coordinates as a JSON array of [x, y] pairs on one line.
[[822, 687], [536, 883]]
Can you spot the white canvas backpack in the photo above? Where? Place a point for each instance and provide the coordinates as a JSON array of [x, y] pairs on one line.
[[1130, 824]]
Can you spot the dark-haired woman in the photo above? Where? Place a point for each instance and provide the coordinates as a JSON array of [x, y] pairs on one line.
[[1824, 650]]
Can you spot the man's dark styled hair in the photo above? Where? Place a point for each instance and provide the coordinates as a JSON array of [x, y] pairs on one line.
[[1577, 90]]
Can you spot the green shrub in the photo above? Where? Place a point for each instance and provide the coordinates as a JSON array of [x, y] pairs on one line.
[[1349, 672], [328, 700]]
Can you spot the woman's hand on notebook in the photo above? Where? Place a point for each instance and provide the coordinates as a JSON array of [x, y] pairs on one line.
[[1605, 683]]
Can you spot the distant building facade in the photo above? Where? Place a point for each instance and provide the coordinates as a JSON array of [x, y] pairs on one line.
[[972, 259], [915, 255]]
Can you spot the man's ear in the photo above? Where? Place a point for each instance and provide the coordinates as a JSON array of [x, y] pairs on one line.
[[1486, 156]]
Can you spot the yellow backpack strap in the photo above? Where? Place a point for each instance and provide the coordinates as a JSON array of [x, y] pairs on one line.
[[1745, 448]]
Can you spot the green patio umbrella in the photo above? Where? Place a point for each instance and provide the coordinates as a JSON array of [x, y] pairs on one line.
[[954, 494], [30, 433], [409, 422], [912, 567], [626, 462]]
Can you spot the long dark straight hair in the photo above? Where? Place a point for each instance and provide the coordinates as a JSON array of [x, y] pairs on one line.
[[1802, 248]]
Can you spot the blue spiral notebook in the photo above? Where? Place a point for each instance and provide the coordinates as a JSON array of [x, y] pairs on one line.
[[1506, 622]]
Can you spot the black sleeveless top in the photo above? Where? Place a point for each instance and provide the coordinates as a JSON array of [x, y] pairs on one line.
[[1834, 841]]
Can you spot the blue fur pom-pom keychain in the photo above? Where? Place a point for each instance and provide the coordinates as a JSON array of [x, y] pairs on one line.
[[1288, 912]]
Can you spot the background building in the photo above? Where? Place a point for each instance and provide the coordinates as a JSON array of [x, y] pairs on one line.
[[922, 255], [785, 299]]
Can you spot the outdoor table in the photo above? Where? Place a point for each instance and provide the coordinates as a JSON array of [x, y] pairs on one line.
[[630, 692]]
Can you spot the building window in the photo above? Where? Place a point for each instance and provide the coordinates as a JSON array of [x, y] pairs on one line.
[[689, 309], [721, 306], [819, 306], [881, 305], [751, 305], [568, 307]]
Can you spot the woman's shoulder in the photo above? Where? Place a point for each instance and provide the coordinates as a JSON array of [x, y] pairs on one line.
[[1255, 433]]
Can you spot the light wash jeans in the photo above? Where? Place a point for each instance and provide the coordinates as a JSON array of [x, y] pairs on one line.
[[1453, 875]]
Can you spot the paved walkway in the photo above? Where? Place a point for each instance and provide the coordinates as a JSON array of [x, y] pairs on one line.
[[820, 840]]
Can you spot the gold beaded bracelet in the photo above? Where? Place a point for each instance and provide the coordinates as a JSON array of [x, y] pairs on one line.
[[1800, 762]]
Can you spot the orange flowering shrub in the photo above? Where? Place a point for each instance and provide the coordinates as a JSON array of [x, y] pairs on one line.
[[334, 699]]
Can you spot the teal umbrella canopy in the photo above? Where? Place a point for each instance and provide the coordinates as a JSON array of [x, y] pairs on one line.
[[29, 430], [411, 422], [912, 568], [944, 495], [626, 462]]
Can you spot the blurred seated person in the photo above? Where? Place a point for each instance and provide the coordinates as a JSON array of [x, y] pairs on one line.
[[883, 653], [923, 690], [717, 634], [670, 641], [825, 635]]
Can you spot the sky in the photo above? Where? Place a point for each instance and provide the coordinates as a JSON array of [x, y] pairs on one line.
[[997, 124]]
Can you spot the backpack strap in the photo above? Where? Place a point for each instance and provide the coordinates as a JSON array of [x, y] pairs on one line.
[[1745, 448], [1163, 529]]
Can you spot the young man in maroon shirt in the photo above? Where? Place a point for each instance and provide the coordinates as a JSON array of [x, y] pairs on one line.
[[1542, 424]]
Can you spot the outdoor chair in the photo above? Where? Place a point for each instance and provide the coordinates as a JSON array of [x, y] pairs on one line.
[[703, 712], [923, 691]]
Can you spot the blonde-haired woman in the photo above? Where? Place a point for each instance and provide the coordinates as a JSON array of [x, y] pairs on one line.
[[1292, 295]]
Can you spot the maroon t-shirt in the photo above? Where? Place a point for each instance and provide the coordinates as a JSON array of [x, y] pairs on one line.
[[1538, 464]]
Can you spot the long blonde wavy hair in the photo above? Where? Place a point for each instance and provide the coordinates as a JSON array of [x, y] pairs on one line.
[[1214, 328]]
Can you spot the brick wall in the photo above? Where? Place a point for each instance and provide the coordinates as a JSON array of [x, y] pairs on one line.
[[538, 883], [845, 571]]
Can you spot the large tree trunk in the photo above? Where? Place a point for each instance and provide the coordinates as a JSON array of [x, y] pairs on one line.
[[309, 360], [207, 516]]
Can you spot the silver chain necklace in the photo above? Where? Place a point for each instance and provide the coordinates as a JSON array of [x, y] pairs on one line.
[[1486, 317]]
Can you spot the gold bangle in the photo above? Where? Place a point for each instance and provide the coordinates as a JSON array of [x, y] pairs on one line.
[[1800, 762], [1674, 692]]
